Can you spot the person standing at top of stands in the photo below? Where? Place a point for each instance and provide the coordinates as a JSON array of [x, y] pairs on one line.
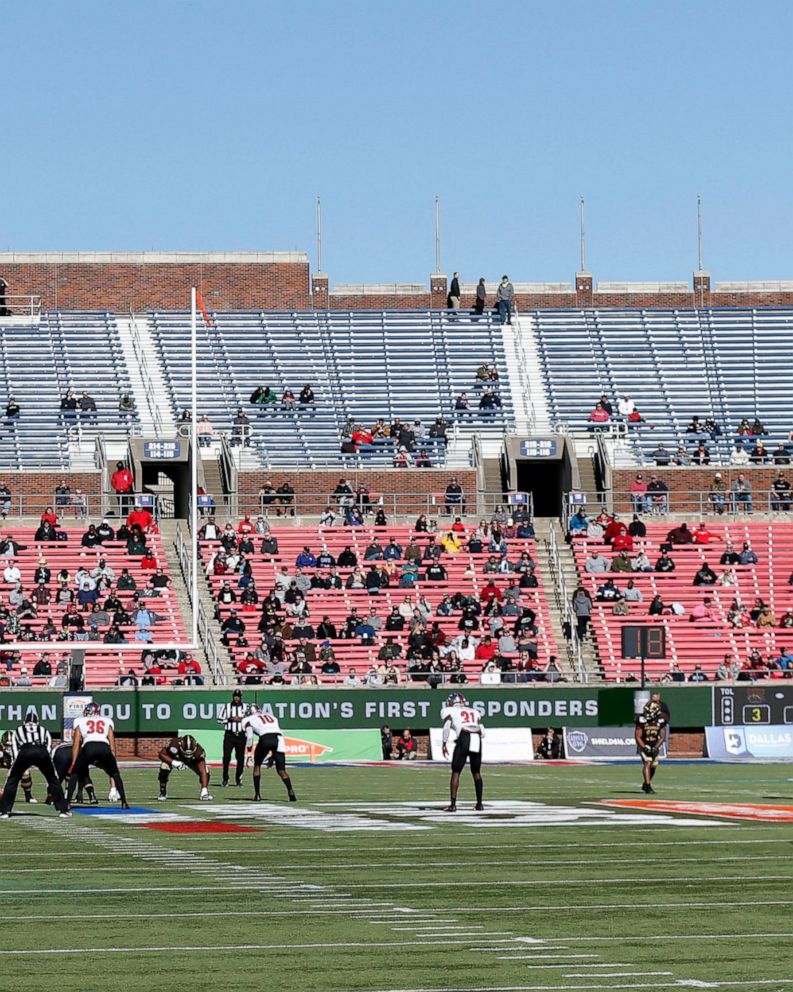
[[453, 497], [505, 295], [481, 297], [123, 483], [233, 738], [204, 430], [286, 500], [453, 299]]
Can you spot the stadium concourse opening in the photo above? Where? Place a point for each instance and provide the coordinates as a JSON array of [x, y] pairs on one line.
[[542, 466]]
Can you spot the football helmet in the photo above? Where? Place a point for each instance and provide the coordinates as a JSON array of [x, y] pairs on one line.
[[92, 709], [188, 745], [5, 741], [456, 699], [251, 709], [651, 710]]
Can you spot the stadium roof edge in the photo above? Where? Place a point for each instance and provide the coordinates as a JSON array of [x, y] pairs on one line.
[[152, 257]]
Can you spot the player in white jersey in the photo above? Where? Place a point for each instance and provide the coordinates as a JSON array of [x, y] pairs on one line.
[[94, 743], [462, 722], [270, 745]]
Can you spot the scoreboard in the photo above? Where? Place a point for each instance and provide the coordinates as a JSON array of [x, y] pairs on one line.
[[756, 704]]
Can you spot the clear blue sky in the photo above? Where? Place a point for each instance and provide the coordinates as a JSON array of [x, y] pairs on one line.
[[213, 126]]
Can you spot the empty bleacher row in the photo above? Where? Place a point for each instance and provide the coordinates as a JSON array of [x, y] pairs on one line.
[[464, 574], [703, 641], [102, 667], [38, 364], [361, 365], [727, 364]]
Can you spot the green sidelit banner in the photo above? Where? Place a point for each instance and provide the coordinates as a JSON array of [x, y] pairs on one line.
[[156, 711]]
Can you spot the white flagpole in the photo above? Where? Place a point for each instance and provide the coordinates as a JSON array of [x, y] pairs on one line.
[[194, 461]]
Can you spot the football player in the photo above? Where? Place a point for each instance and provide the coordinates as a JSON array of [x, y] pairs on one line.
[[30, 745], [465, 723], [651, 726], [6, 760], [270, 745], [94, 743], [62, 760], [179, 753]]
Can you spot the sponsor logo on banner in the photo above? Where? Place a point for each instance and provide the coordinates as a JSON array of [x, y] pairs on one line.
[[577, 741], [744, 743], [602, 742], [300, 749]]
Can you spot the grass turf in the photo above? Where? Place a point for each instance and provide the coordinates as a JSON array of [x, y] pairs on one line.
[[322, 897]]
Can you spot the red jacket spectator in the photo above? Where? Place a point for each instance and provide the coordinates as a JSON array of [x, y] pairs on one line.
[[486, 651], [245, 525], [622, 542], [362, 436], [49, 517], [122, 480], [614, 529], [141, 517], [704, 536], [149, 561], [490, 591], [189, 666]]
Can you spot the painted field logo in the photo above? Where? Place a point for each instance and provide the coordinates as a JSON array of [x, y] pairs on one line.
[[731, 811], [577, 740], [302, 750]]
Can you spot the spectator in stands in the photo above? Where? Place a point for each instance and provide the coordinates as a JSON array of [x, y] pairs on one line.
[[126, 405], [489, 402], [13, 410], [285, 496], [453, 296], [704, 576], [462, 404], [664, 563], [608, 592], [728, 669], [582, 608], [766, 617], [638, 491], [625, 406], [579, 523], [204, 431], [454, 499], [123, 483], [701, 455], [739, 455], [287, 400], [658, 494], [241, 429], [698, 675], [781, 454], [614, 528], [87, 406], [741, 494], [596, 563], [718, 494], [730, 556], [621, 563], [759, 454], [632, 593], [747, 556], [757, 428], [696, 426], [661, 455], [780, 494], [680, 535], [69, 407], [598, 417], [481, 298], [402, 458], [641, 563], [505, 296]]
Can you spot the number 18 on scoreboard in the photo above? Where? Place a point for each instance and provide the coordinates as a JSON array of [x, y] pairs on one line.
[[646, 641]]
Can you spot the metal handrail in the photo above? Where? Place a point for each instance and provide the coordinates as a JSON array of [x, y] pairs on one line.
[[702, 502], [566, 609], [12, 303]]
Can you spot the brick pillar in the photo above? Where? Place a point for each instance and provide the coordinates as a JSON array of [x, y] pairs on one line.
[[438, 291], [702, 289], [319, 291], [584, 289]]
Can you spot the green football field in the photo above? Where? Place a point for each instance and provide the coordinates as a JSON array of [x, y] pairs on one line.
[[365, 884]]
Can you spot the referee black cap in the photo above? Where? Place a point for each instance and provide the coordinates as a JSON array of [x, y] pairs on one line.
[[31, 717]]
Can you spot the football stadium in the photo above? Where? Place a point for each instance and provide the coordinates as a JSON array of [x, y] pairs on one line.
[[412, 636]]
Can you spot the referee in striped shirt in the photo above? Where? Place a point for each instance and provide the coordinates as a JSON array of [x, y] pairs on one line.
[[30, 747], [234, 738]]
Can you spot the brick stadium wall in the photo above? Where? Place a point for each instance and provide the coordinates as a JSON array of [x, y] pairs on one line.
[[319, 484], [687, 743], [401, 301], [139, 747], [162, 285], [696, 480], [40, 486]]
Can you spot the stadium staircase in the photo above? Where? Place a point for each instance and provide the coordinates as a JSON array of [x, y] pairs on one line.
[[699, 641]]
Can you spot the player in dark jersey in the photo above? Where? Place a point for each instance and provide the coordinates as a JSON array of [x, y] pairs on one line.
[[62, 759], [183, 752], [651, 726], [6, 760]]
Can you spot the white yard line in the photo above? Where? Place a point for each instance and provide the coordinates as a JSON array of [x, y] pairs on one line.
[[576, 881]]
